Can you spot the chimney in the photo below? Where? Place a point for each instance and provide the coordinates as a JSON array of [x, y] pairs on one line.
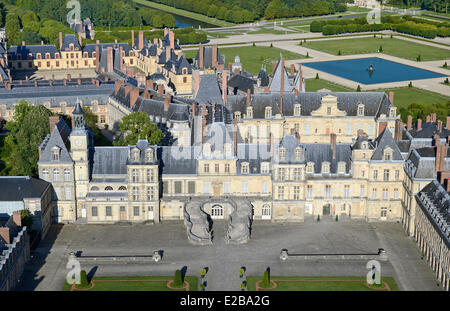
[[80, 39], [235, 136], [10, 79], [297, 135], [333, 145], [398, 129], [203, 127], [200, 56], [409, 123], [23, 43], [134, 94], [419, 124], [282, 86], [436, 140], [224, 86], [97, 82], [17, 218], [109, 59], [65, 81], [194, 109], [60, 40], [296, 92], [53, 120], [69, 77], [79, 81], [433, 117], [35, 83], [266, 90], [391, 97], [248, 97], [26, 78], [447, 123], [301, 77], [8, 86], [293, 131], [21, 82], [167, 101], [141, 40], [441, 152], [4, 234], [439, 125], [230, 66], [160, 89], [271, 143], [196, 82], [42, 42], [132, 37], [127, 89], [428, 118], [214, 55], [122, 67], [172, 40], [155, 41], [292, 69], [97, 57]]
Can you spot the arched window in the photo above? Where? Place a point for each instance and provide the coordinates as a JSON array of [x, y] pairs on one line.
[[94, 188], [360, 109], [388, 154], [217, 211], [266, 211], [55, 175], [122, 188], [66, 175], [108, 188], [297, 110], [45, 174], [325, 168]]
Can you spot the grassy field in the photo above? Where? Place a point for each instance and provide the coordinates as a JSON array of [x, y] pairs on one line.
[[391, 46], [294, 283], [252, 56], [144, 283], [196, 16], [403, 96]]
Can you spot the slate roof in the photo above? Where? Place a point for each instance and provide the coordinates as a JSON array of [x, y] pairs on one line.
[[421, 163], [110, 161], [383, 141], [362, 138], [428, 130], [209, 90], [254, 154], [175, 160], [17, 188], [241, 83], [207, 57], [319, 153], [70, 39], [289, 142], [90, 48], [58, 138], [218, 135], [275, 84], [15, 50]]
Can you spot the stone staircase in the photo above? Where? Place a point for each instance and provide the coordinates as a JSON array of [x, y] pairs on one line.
[[240, 221], [198, 223]]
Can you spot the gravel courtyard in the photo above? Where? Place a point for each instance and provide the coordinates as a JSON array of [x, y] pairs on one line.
[[47, 270]]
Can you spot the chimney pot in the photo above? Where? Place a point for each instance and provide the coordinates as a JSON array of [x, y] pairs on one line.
[[409, 123], [201, 56], [167, 101], [224, 86], [53, 120], [292, 69], [391, 97], [248, 97], [419, 124], [439, 125], [447, 123], [433, 117]]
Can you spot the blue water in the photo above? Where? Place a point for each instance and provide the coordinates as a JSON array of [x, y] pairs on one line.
[[384, 71]]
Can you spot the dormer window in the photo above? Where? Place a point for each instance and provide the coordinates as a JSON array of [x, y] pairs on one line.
[[297, 110], [245, 168], [282, 154], [341, 167], [268, 112], [55, 154], [149, 155], [298, 154], [71, 47], [325, 167], [329, 111], [387, 154], [310, 168], [265, 168], [38, 55], [250, 112], [47, 55], [364, 145], [237, 116], [185, 71], [360, 110], [393, 112], [135, 155]]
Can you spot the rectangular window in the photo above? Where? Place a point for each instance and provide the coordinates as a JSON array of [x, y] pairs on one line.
[[375, 175], [178, 187], [216, 168], [383, 213], [349, 129], [374, 194], [68, 194], [135, 175], [281, 172], [245, 187], [108, 211], [94, 211], [264, 187], [206, 168], [191, 186], [296, 192], [397, 175], [346, 191], [135, 193], [296, 173], [280, 192], [150, 175], [361, 192], [385, 194], [309, 193], [328, 191], [307, 129], [386, 175], [227, 168], [136, 210], [165, 186], [226, 187], [369, 130], [150, 194], [395, 194]]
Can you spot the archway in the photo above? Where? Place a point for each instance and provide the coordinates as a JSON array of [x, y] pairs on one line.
[[326, 209]]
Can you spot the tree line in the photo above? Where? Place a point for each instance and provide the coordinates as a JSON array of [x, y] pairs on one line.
[[238, 11], [439, 6], [403, 24]]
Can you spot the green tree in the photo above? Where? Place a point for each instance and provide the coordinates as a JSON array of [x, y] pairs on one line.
[[266, 279], [212, 11], [27, 218], [274, 9], [12, 28], [137, 126]]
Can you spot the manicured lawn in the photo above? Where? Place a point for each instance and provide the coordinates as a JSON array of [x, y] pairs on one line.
[[403, 96], [252, 56], [144, 283], [196, 16], [391, 46], [295, 283]]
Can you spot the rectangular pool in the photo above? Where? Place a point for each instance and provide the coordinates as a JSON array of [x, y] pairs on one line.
[[385, 71]]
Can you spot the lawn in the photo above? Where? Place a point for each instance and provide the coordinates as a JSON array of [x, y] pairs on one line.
[[252, 56], [403, 96], [391, 46], [295, 283], [144, 283]]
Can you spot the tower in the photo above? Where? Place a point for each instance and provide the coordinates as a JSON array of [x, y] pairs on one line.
[[79, 150]]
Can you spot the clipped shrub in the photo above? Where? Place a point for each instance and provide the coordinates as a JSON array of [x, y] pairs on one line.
[[83, 280], [307, 54], [380, 49], [337, 217], [254, 44], [446, 81], [177, 280], [410, 84], [339, 53], [271, 45], [419, 58], [266, 279], [317, 76], [445, 65], [241, 272], [318, 217], [203, 272], [358, 89]]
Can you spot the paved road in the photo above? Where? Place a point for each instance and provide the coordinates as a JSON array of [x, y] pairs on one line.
[[47, 270]]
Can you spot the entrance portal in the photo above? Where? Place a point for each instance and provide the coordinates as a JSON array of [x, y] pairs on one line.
[[326, 209]]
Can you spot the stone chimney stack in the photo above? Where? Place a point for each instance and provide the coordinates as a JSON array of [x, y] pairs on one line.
[[23, 43], [97, 57], [141, 40], [391, 97], [60, 40], [297, 135], [409, 123], [5, 235], [292, 69], [160, 89], [214, 55], [117, 85], [419, 124], [439, 125], [167, 101], [224, 86], [300, 69], [172, 40], [109, 59], [447, 123], [132, 37], [333, 145], [248, 97], [196, 82], [168, 53], [428, 118], [398, 129], [194, 109], [53, 120], [80, 39], [17, 218], [433, 117], [134, 95], [127, 89], [201, 52]]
